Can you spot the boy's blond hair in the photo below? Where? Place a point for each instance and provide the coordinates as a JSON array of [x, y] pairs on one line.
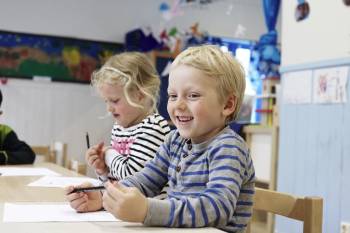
[[135, 72], [222, 66]]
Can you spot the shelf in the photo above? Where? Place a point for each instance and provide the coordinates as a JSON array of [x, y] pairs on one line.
[[262, 141], [257, 129], [264, 110], [265, 96]]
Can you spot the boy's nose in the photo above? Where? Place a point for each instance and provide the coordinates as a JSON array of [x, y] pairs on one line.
[[180, 104]]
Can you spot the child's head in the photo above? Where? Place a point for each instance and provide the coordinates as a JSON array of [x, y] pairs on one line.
[[130, 86], [206, 88]]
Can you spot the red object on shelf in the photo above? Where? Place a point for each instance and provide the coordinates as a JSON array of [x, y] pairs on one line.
[[264, 110]]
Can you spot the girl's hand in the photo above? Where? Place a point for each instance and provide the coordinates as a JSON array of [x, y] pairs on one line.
[[95, 158], [127, 204], [83, 202]]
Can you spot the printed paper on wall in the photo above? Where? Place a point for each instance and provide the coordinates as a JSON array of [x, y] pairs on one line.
[[330, 85]]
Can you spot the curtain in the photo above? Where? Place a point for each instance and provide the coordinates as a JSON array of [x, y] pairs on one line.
[[271, 9]]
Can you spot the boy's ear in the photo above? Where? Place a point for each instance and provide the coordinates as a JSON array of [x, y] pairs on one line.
[[230, 105]]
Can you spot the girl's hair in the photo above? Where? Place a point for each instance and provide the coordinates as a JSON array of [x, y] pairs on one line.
[[223, 67], [135, 72]]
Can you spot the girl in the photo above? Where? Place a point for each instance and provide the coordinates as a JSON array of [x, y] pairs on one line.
[[129, 85]]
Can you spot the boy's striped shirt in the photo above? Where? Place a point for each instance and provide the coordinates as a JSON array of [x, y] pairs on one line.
[[210, 184]]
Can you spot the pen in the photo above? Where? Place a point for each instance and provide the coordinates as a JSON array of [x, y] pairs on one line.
[[93, 188], [87, 189], [87, 140]]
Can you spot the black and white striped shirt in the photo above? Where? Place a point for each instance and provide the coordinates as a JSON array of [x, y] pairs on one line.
[[132, 147]]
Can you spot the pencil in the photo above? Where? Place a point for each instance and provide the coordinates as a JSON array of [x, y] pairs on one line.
[[87, 140]]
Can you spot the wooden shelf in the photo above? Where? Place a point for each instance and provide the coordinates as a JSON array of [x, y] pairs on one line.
[[257, 129], [262, 141]]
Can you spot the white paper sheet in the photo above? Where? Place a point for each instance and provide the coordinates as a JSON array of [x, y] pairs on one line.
[[330, 85], [26, 171], [59, 212], [297, 87], [62, 181]]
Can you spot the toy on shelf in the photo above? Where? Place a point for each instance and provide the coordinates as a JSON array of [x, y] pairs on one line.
[[266, 102]]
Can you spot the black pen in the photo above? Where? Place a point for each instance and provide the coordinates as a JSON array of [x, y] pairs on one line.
[[93, 188], [87, 140], [87, 189]]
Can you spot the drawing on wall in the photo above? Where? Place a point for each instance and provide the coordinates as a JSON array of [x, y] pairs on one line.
[[297, 87], [329, 85], [62, 59]]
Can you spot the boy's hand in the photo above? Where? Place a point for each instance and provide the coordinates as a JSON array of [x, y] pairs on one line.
[[95, 157], [127, 204], [83, 202]]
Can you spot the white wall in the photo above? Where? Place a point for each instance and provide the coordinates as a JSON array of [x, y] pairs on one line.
[[314, 144], [42, 113], [109, 20], [324, 35]]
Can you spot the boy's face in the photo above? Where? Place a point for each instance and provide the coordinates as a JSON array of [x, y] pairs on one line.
[[194, 105], [124, 114]]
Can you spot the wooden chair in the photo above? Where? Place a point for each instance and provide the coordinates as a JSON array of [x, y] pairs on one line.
[[60, 150], [45, 152], [76, 166], [309, 210]]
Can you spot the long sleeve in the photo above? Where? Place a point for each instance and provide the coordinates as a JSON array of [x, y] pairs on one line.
[[132, 148], [15, 151], [210, 185]]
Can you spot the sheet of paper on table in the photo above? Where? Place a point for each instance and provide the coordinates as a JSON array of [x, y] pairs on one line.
[[58, 212], [26, 171]]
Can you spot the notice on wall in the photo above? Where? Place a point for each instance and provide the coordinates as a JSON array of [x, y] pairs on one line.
[[297, 87], [329, 85]]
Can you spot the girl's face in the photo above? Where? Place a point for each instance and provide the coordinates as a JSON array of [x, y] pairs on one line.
[[194, 105], [124, 114]]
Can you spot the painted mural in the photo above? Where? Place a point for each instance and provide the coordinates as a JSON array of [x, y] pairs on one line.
[[62, 59]]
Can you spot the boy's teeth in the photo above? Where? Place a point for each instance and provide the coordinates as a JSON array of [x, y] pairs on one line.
[[185, 118]]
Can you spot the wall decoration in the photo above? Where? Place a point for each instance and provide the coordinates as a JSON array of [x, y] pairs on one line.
[[297, 87], [25, 55], [330, 85], [302, 10]]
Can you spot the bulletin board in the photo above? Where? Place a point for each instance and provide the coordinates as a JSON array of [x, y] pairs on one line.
[[25, 55]]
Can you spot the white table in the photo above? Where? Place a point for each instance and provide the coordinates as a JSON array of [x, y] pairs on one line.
[[15, 189]]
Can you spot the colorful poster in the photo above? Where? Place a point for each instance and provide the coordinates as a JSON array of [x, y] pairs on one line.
[[61, 59]]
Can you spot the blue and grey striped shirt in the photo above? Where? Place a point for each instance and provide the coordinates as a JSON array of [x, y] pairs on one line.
[[211, 184]]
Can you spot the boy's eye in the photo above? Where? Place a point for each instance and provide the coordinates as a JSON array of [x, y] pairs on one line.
[[172, 97], [193, 96]]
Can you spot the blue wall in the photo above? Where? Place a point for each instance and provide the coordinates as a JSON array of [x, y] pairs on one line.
[[314, 155]]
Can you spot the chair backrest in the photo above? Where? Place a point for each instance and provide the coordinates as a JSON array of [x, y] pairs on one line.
[[76, 166], [309, 210], [60, 149], [45, 152]]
